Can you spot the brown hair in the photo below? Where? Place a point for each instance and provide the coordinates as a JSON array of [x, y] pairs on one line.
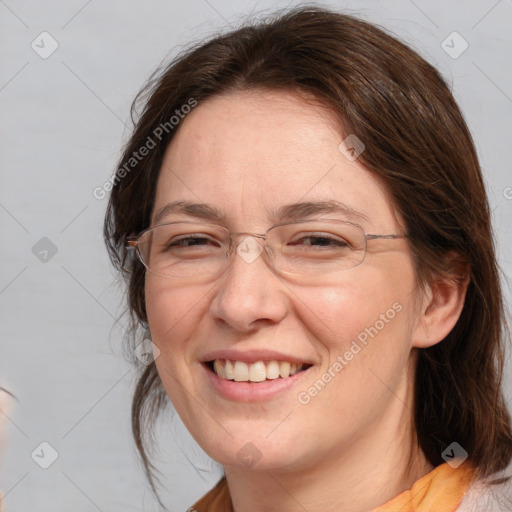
[[416, 140]]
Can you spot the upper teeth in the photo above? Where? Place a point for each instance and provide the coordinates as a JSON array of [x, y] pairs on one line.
[[255, 372]]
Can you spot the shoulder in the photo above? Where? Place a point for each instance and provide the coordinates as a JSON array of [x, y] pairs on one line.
[[484, 496]]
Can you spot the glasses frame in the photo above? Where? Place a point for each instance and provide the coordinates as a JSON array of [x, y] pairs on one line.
[[132, 243]]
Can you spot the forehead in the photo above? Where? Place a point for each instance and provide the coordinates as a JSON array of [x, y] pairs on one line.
[[249, 153]]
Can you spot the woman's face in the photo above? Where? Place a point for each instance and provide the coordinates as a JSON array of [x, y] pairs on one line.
[[248, 154]]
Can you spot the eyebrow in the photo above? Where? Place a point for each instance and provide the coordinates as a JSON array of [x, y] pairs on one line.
[[288, 212]]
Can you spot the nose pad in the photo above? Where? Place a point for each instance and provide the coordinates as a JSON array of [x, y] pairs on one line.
[[247, 294]]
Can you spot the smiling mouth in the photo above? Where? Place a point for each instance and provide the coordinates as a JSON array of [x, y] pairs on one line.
[[260, 371]]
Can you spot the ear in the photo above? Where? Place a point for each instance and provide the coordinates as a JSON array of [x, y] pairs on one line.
[[442, 303]]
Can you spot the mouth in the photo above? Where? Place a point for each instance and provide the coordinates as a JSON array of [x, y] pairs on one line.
[[255, 373]]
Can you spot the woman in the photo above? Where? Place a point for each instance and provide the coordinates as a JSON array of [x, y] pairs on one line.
[[316, 271]]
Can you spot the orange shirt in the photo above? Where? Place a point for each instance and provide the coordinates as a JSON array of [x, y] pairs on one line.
[[441, 490]]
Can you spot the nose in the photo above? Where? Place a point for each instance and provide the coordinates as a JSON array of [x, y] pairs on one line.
[[249, 292]]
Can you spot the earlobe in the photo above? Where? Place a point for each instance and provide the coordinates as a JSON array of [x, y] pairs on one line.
[[441, 308]]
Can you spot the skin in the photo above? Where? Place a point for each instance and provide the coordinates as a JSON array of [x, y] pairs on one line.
[[352, 447]]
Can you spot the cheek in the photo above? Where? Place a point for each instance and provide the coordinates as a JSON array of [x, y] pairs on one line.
[[173, 314], [362, 328], [337, 314]]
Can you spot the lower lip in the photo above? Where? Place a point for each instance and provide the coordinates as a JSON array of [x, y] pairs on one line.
[[252, 391]]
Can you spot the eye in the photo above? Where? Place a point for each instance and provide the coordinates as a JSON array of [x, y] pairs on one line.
[[192, 240], [189, 241], [320, 240]]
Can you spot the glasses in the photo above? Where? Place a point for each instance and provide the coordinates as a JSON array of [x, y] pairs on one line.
[[303, 248]]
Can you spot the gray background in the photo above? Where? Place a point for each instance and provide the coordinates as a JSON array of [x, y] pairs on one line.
[[62, 127]]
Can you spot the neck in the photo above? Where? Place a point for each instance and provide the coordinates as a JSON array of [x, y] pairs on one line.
[[359, 476]]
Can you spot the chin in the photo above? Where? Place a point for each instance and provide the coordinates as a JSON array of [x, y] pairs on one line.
[[256, 454]]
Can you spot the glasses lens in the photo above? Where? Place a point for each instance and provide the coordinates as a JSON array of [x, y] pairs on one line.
[[312, 248], [184, 249], [317, 247]]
